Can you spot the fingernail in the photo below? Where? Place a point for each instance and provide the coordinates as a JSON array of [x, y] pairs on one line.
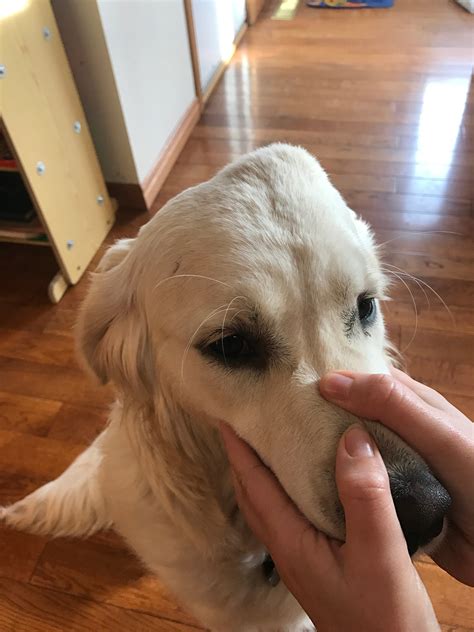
[[337, 385], [358, 442]]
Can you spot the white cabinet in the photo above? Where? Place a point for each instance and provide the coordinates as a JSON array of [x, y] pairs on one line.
[[216, 25], [132, 64]]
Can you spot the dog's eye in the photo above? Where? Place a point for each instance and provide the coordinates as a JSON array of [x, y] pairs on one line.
[[366, 308], [239, 348], [231, 348]]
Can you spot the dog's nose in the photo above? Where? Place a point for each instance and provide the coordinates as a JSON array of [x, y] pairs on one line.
[[421, 503]]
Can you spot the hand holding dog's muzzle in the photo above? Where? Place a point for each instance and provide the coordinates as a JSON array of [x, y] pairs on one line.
[[368, 583], [440, 434]]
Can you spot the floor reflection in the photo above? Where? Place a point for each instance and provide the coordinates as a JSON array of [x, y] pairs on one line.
[[440, 121], [239, 93]]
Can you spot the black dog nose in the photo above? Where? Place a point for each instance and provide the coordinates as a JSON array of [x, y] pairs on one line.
[[421, 503]]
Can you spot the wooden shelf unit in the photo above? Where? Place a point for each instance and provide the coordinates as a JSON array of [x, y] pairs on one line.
[[44, 127], [5, 167]]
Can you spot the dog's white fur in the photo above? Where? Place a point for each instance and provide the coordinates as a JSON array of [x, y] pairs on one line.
[[268, 238]]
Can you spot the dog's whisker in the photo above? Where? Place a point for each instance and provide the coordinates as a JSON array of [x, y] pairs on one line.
[[394, 354], [191, 276], [249, 311], [414, 308], [225, 316], [440, 298], [413, 278], [216, 311], [415, 233], [427, 285]]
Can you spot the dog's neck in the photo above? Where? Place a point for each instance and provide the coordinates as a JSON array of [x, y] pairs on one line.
[[184, 463]]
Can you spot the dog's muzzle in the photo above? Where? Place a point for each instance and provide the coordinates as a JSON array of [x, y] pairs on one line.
[[421, 503]]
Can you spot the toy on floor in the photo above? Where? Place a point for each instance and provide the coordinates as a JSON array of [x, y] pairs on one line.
[[350, 4]]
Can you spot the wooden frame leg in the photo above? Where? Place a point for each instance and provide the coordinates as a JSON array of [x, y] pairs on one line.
[[57, 287]]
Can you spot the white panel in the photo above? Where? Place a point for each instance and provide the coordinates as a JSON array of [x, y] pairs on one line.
[[207, 38], [216, 23], [81, 31], [149, 51], [239, 13]]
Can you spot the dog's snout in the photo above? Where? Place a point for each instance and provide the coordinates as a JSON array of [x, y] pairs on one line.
[[421, 503]]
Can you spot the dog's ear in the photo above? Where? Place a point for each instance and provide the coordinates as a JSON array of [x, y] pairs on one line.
[[364, 230], [112, 333], [115, 255]]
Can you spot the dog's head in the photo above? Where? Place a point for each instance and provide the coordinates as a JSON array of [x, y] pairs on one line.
[[236, 298]]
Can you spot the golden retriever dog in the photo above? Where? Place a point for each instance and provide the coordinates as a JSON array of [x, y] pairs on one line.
[[229, 305]]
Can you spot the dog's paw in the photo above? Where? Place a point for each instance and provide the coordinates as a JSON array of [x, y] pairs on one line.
[[306, 625], [24, 516], [71, 505]]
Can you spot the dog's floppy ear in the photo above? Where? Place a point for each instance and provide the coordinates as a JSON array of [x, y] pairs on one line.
[[115, 255], [111, 332]]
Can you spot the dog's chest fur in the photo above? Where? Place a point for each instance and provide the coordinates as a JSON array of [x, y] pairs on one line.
[[170, 496]]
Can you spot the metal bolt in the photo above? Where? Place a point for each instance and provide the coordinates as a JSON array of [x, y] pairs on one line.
[[40, 168], [77, 127], [3, 70], [100, 200], [70, 244], [46, 33]]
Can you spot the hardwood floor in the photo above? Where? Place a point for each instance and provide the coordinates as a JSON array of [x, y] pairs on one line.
[[384, 100]]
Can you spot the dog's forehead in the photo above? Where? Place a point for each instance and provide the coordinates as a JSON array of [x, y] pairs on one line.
[[270, 226], [275, 200], [280, 189], [275, 212]]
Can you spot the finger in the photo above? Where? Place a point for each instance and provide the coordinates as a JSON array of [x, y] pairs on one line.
[[373, 532], [269, 511], [446, 441], [426, 393], [261, 498], [455, 556]]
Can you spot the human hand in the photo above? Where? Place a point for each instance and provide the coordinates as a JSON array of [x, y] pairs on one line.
[[438, 431], [368, 583]]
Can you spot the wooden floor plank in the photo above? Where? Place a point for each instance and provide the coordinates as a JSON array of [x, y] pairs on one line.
[[454, 600], [432, 315], [382, 99], [107, 573], [50, 348], [20, 413], [77, 424], [442, 360], [19, 554], [59, 383], [26, 608], [28, 461]]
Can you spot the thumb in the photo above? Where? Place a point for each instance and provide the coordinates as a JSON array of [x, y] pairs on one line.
[[373, 532], [272, 515]]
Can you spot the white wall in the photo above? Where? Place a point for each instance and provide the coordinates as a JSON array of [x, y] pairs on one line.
[[216, 23], [239, 13], [81, 30], [132, 65], [149, 50]]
